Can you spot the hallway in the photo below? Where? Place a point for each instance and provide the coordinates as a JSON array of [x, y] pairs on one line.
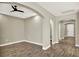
[[65, 48]]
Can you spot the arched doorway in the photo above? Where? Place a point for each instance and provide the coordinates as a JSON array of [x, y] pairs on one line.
[[66, 29]]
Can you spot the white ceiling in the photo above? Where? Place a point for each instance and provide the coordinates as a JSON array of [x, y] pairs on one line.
[[60, 8], [5, 8], [56, 8]]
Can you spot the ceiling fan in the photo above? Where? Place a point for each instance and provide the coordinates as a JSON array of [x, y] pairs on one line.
[[15, 9]]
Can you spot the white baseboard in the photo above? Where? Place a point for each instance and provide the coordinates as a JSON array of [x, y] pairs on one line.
[[33, 42], [11, 43], [45, 48], [55, 42], [19, 42], [77, 45]]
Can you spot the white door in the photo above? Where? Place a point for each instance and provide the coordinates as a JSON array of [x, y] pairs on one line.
[[70, 30]]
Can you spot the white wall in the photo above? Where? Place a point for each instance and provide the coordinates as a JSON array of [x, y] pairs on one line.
[[33, 29], [11, 29]]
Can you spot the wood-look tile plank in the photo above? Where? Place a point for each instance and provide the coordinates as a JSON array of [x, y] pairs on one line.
[[65, 48]]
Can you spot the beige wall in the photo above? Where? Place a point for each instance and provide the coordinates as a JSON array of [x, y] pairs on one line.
[[33, 29], [51, 29], [77, 30], [14, 29], [11, 29], [62, 31], [46, 22]]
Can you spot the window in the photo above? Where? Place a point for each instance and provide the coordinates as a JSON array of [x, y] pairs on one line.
[[70, 29]]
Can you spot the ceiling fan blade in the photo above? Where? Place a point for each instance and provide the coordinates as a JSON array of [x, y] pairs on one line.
[[20, 11]]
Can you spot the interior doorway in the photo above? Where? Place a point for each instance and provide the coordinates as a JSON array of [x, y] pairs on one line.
[[67, 29]]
